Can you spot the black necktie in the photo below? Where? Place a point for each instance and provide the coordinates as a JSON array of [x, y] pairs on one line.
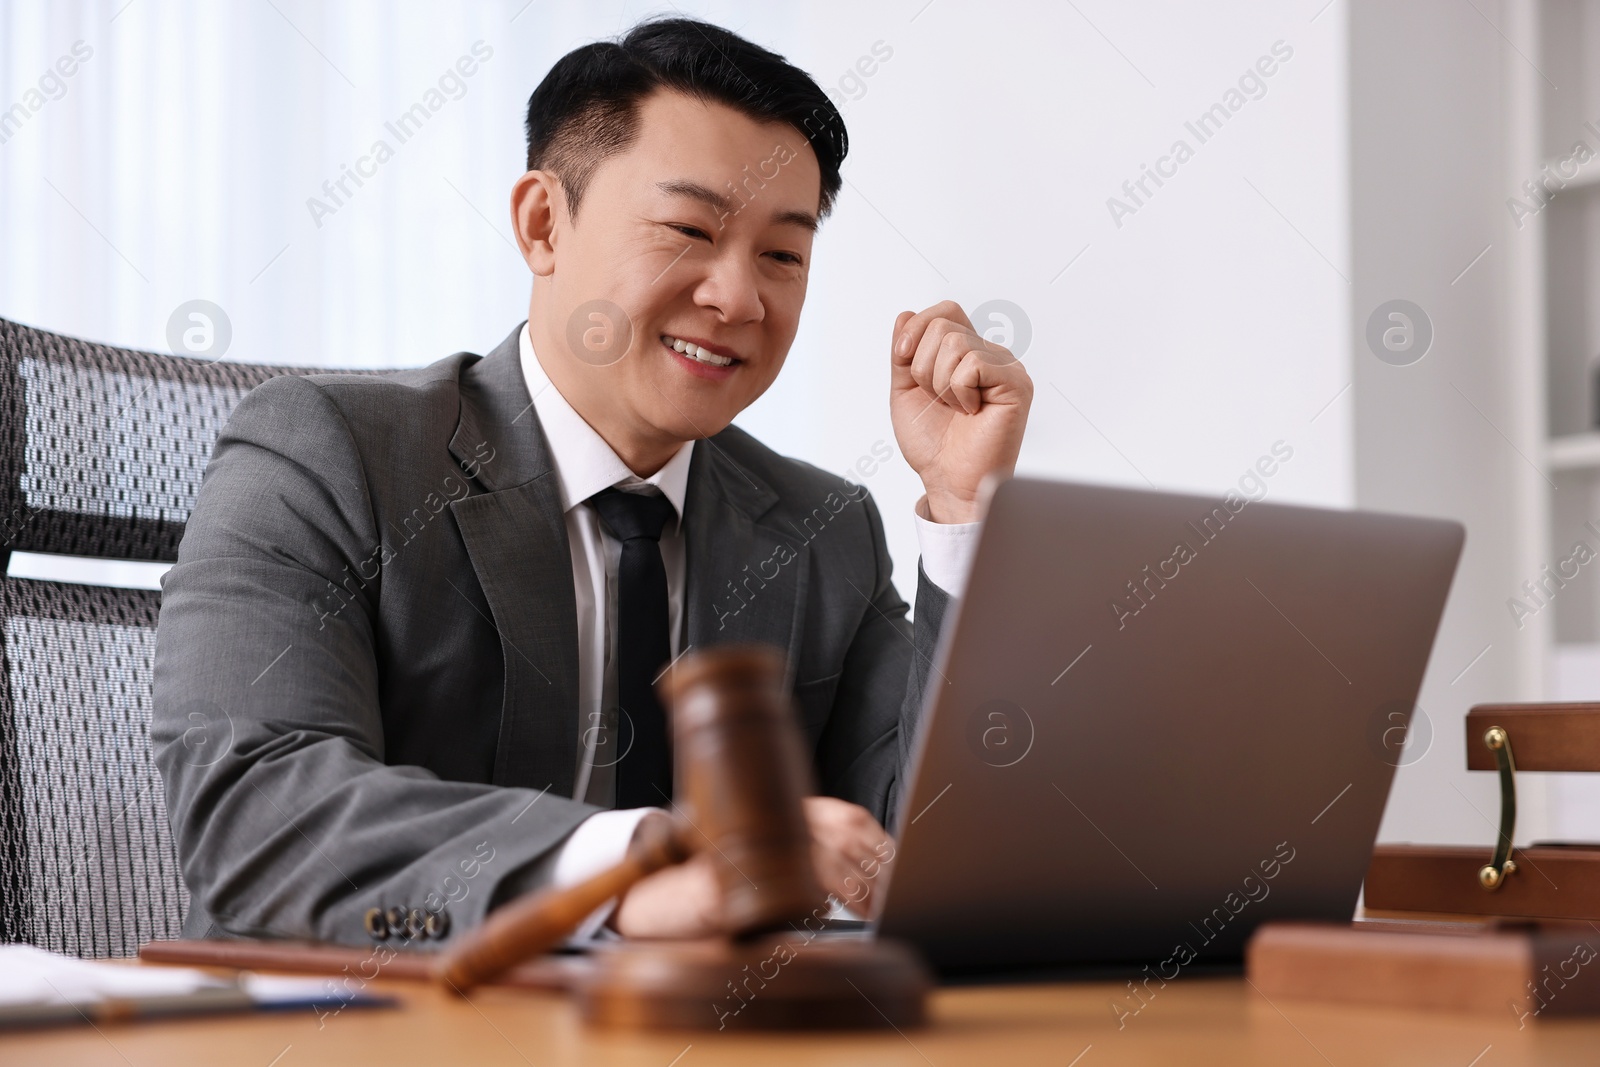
[[644, 645]]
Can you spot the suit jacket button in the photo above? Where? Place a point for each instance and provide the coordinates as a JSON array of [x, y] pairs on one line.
[[396, 919], [376, 924], [416, 928], [437, 924]]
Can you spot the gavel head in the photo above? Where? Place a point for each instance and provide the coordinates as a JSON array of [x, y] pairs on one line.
[[739, 761]]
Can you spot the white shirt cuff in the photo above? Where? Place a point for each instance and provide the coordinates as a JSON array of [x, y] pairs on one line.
[[600, 841], [947, 550]]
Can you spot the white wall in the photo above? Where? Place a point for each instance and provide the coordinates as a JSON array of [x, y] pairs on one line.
[[1458, 434], [1175, 349]]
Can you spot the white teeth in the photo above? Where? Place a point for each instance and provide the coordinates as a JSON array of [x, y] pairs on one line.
[[695, 352]]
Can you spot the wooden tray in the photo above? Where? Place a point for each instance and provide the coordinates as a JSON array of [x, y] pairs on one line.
[[1520, 974], [364, 964]]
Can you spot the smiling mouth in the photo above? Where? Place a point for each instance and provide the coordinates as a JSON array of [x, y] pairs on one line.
[[695, 352]]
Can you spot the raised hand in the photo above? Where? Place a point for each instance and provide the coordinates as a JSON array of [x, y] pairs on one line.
[[959, 405]]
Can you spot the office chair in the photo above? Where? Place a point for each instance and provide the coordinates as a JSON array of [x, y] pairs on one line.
[[101, 453]]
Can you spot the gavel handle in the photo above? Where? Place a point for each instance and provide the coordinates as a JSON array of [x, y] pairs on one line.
[[535, 924]]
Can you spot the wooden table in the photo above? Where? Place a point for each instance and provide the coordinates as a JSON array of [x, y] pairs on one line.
[[1194, 1020]]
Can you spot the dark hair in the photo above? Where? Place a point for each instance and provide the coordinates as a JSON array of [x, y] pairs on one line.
[[587, 107]]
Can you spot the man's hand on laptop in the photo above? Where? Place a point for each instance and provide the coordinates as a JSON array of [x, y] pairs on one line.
[[959, 404], [849, 848]]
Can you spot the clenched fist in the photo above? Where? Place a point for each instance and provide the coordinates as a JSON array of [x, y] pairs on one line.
[[959, 405]]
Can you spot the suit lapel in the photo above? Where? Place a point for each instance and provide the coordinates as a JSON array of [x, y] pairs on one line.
[[744, 579], [516, 538]]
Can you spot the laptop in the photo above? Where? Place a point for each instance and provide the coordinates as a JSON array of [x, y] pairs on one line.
[[1156, 721]]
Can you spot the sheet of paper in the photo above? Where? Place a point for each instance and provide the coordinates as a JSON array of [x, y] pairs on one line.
[[32, 976]]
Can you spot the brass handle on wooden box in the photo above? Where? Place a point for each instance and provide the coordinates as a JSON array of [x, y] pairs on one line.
[[1494, 875]]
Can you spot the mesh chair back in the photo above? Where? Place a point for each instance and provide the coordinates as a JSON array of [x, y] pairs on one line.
[[101, 454], [86, 856], [101, 448]]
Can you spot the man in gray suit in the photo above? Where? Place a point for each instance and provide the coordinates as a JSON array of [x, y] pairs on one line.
[[415, 617]]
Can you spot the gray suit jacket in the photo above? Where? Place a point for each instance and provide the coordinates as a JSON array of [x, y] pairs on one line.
[[366, 666]]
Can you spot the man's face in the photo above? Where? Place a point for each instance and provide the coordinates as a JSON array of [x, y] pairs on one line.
[[701, 232]]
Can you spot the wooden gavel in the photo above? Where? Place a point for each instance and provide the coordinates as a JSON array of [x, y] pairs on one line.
[[741, 774]]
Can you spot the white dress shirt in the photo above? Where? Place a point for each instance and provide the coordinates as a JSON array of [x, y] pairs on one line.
[[584, 464]]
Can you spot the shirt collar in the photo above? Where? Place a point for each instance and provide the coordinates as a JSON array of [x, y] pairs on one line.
[[583, 462]]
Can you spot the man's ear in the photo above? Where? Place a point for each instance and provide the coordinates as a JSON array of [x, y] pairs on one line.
[[536, 202]]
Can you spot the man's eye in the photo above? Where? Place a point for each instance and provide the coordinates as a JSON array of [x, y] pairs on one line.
[[691, 231], [786, 257]]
